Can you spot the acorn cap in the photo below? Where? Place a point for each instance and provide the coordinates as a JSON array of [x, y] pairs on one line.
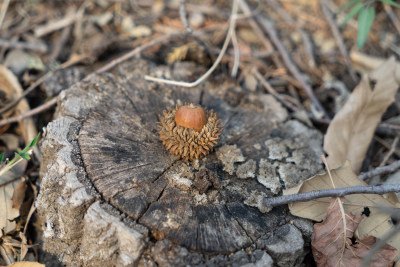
[[189, 131]]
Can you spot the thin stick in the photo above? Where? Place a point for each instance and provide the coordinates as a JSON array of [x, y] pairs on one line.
[[3, 11], [213, 67], [60, 42], [38, 47], [308, 48], [269, 29], [380, 170], [52, 26], [338, 38], [272, 91], [132, 53], [386, 144], [392, 16], [183, 16], [236, 53], [390, 152], [38, 82], [335, 192], [30, 113], [257, 30]]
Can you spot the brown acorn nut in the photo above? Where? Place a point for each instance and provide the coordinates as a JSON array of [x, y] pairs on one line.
[[189, 131]]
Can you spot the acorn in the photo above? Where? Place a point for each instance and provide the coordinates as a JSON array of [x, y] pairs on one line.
[[189, 131]]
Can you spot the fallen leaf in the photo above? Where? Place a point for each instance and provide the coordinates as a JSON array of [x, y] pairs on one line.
[[376, 224], [9, 83], [351, 130], [365, 63], [27, 264], [8, 182], [333, 246], [18, 195]]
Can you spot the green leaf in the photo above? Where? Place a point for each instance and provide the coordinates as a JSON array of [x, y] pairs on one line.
[[31, 144], [354, 11], [347, 5], [22, 155], [2, 157], [365, 20], [391, 2]]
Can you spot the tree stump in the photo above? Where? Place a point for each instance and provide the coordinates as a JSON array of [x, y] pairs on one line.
[[111, 195]]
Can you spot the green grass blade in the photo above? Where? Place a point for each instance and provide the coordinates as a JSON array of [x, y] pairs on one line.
[[391, 2], [354, 11], [31, 144], [2, 157], [347, 5], [365, 20]]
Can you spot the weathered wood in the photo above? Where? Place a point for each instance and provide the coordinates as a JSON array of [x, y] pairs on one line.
[[111, 193]]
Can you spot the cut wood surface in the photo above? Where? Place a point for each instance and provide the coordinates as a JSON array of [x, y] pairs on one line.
[[112, 195]]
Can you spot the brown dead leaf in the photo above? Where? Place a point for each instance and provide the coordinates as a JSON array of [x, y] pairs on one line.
[[331, 246], [9, 83], [8, 182], [27, 264], [351, 130], [376, 224], [18, 195]]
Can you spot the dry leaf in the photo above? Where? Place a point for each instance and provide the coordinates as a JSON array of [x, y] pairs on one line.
[[377, 224], [8, 182], [351, 130], [9, 83], [364, 63], [331, 247], [18, 195], [178, 53], [27, 264]]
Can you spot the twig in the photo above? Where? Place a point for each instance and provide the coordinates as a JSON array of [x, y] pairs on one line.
[[335, 192], [386, 144], [52, 26], [392, 16], [338, 38], [257, 30], [132, 53], [308, 48], [380, 170], [183, 16], [272, 91], [269, 29], [390, 152], [30, 113], [39, 47], [216, 62], [37, 83], [3, 11], [60, 42], [236, 52]]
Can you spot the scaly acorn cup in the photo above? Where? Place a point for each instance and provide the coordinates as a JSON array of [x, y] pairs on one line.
[[189, 131]]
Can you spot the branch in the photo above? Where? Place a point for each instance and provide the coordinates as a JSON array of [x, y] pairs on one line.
[[336, 192], [269, 29], [380, 170], [338, 38]]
